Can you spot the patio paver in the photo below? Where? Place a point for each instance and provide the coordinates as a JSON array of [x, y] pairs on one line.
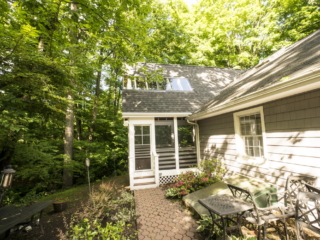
[[161, 218]]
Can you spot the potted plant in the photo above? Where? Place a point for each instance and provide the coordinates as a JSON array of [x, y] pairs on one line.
[[60, 205]]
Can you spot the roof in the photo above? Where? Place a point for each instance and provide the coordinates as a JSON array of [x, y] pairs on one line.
[[296, 60], [205, 81]]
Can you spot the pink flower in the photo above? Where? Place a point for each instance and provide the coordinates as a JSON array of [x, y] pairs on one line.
[[204, 179], [209, 174], [188, 186]]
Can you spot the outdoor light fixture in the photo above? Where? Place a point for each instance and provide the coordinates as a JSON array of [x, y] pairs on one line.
[[88, 165], [87, 162], [6, 180]]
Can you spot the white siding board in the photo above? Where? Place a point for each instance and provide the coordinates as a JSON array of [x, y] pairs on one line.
[[297, 160], [296, 151], [294, 134], [294, 142]]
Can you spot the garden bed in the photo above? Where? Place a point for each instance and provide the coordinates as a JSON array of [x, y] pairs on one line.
[[110, 198]]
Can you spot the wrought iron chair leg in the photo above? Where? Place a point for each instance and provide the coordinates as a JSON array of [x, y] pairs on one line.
[[265, 225], [259, 231], [224, 228], [285, 229]]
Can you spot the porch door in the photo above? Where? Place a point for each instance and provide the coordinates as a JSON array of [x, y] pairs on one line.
[[142, 147], [165, 143]]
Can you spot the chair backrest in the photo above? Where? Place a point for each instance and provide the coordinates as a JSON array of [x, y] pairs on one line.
[[295, 184], [312, 189], [308, 212], [246, 196]]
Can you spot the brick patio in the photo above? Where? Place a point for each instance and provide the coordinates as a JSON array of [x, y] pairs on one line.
[[161, 218]]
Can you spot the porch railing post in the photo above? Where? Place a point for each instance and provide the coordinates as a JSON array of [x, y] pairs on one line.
[[155, 159], [176, 142]]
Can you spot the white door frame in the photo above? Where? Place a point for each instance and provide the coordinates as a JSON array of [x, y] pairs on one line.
[[139, 122]]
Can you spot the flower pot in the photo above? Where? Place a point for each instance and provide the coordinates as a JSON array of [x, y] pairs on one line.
[[60, 206]]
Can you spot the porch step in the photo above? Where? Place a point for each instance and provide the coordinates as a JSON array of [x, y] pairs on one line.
[[144, 177], [143, 184]]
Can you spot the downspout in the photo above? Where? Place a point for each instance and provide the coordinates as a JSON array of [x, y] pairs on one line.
[[197, 140]]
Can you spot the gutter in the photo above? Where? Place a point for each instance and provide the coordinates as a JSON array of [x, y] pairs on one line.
[[293, 86], [154, 114], [197, 140]]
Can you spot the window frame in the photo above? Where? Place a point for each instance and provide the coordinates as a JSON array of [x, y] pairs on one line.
[[240, 143], [131, 84]]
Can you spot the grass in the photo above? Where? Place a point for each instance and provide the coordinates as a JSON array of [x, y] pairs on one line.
[[71, 194]]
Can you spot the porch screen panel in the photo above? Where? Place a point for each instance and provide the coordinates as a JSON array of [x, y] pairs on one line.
[[187, 149], [142, 147]]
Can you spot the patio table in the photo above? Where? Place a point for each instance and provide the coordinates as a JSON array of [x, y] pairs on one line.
[[11, 216], [225, 205]]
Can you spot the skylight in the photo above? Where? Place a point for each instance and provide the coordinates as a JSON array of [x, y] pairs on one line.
[[166, 84]]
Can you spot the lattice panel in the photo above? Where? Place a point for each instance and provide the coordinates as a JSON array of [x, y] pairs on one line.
[[167, 179]]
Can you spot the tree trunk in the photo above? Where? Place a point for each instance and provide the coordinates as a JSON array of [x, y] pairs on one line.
[[95, 104], [69, 127], [78, 123], [68, 143], [97, 96]]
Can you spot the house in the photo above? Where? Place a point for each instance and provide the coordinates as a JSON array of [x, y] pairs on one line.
[[264, 122]]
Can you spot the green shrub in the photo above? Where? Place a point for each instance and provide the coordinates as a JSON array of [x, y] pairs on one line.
[[206, 224], [94, 230], [214, 167], [189, 182], [210, 171]]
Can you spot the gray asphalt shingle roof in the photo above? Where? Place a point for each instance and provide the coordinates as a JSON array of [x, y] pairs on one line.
[[292, 61], [205, 81], [215, 86]]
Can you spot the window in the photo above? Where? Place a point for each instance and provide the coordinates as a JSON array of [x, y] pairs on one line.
[[179, 84], [250, 126], [167, 84], [142, 135], [250, 133]]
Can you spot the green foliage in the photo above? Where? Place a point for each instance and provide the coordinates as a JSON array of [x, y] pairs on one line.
[[210, 171], [124, 214], [214, 167], [38, 167], [189, 182], [124, 206], [92, 220], [94, 230], [205, 224], [124, 199]]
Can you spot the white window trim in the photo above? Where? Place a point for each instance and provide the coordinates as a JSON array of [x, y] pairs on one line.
[[242, 157]]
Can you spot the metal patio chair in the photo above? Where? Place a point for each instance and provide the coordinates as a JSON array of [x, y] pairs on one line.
[[288, 198], [260, 216], [312, 189], [308, 212]]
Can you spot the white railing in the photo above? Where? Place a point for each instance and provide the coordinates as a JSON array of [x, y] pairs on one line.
[[155, 160]]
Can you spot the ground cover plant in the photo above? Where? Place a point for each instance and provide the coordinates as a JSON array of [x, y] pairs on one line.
[[110, 212], [107, 215], [210, 171]]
